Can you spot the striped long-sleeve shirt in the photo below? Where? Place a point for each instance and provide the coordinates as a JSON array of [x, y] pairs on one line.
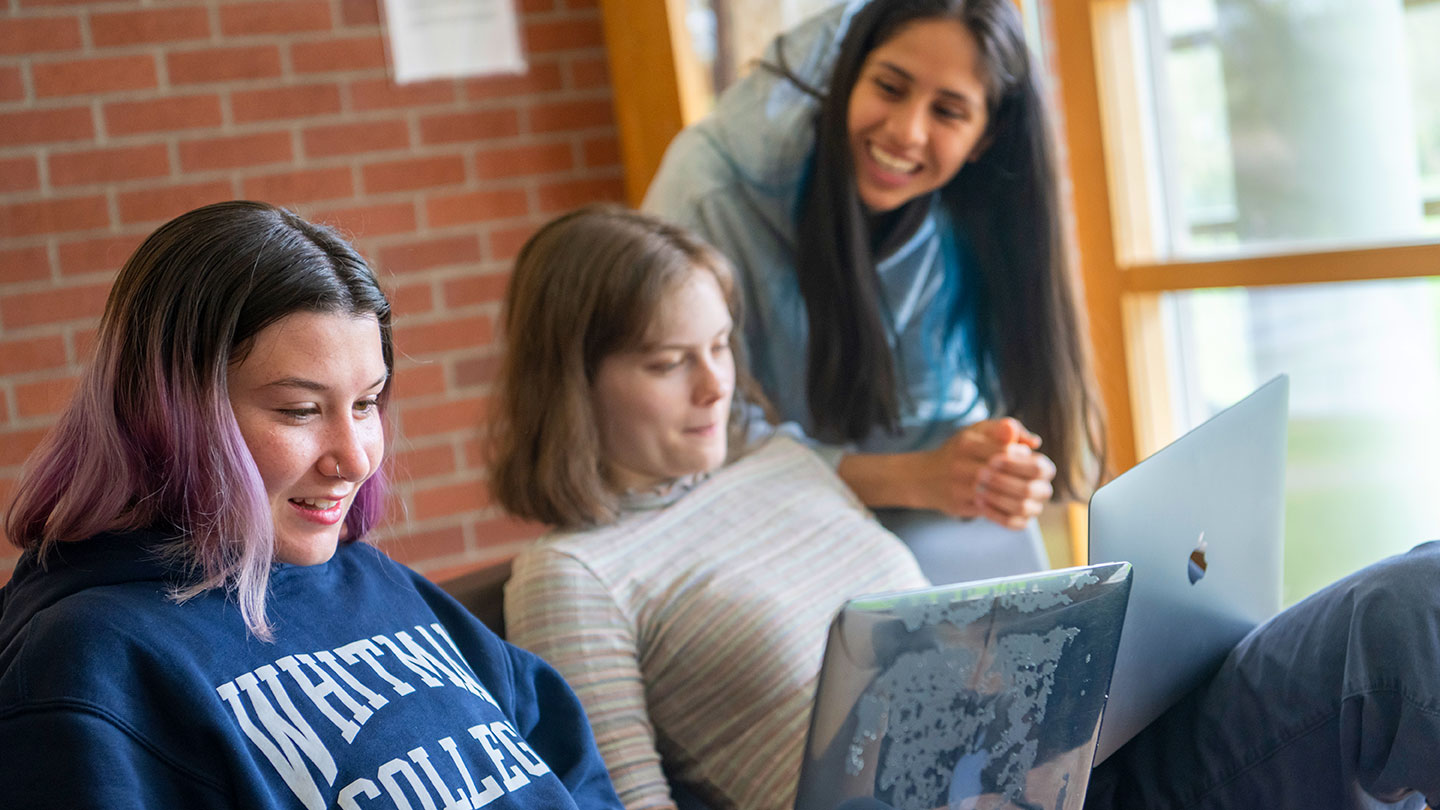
[[694, 633]]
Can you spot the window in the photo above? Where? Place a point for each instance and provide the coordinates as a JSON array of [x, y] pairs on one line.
[[1264, 199], [1293, 123]]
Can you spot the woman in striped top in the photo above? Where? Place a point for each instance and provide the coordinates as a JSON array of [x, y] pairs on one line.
[[685, 599]]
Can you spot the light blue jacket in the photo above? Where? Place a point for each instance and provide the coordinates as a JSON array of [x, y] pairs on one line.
[[735, 178]]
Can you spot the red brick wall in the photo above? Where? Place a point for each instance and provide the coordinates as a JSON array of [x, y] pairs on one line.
[[116, 115]]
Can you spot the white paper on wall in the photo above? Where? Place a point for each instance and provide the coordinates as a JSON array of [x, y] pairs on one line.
[[435, 39]]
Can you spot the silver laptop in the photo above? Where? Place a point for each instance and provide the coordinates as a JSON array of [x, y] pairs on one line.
[[1201, 521], [967, 695]]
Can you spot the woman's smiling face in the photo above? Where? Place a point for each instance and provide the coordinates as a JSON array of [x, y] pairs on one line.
[[305, 397], [917, 113]]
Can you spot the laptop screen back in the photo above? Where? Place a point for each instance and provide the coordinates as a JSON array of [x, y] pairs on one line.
[[980, 692], [1201, 521]]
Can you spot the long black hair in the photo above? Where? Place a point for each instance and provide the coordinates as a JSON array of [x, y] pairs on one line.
[[1016, 306]]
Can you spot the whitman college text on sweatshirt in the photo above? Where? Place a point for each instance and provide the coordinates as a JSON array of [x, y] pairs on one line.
[[378, 692]]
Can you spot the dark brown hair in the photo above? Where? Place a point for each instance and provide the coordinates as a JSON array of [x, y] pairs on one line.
[[586, 285], [149, 440]]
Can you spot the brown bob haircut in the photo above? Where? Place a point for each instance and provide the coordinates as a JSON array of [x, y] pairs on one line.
[[588, 284]]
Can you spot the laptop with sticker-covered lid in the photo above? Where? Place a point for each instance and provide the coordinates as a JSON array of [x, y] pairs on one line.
[[979, 694]]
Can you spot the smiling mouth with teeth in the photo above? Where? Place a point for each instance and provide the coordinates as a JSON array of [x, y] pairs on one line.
[[315, 503], [892, 163]]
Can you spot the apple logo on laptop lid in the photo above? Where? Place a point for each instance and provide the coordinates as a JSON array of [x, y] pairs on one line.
[[1196, 565]]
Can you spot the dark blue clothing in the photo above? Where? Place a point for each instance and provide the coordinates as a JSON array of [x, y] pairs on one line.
[[380, 691], [1334, 704]]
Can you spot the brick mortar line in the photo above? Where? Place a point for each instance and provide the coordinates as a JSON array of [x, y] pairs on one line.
[[32, 286], [467, 149], [299, 163], [342, 79], [452, 271]]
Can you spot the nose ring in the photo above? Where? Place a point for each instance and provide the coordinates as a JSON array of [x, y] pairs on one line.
[[338, 474]]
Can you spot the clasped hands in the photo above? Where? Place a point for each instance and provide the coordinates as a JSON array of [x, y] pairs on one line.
[[991, 469]]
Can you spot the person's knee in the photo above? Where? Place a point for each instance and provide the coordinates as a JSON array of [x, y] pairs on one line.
[[1395, 615], [1405, 585]]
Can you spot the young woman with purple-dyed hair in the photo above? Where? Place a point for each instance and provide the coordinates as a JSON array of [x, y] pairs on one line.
[[149, 437], [195, 621]]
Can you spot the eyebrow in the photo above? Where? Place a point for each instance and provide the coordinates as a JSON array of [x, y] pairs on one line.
[[910, 78], [660, 347], [311, 385]]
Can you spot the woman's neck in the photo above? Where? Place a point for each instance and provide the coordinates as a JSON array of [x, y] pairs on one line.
[[889, 230], [660, 495]]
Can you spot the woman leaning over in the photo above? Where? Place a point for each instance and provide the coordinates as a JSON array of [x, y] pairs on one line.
[[884, 185]]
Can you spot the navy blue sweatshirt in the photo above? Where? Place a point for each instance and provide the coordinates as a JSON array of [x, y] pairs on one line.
[[380, 691]]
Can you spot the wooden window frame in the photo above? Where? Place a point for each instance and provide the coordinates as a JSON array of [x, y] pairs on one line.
[[657, 84], [1090, 48]]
